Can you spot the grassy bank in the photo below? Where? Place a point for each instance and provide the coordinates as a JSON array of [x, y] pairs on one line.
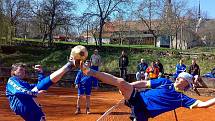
[[52, 58]]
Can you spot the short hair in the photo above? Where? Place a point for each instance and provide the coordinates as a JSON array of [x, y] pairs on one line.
[[15, 66]]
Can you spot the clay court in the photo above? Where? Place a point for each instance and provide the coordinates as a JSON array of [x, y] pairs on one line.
[[59, 104]]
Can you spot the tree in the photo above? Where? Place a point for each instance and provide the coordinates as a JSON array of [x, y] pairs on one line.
[[3, 23], [173, 17], [146, 11], [102, 9], [52, 14], [15, 10]]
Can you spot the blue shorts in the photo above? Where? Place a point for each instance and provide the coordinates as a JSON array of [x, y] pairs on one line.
[[33, 115], [139, 108], [84, 90]]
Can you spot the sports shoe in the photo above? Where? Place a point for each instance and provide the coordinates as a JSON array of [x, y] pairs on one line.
[[87, 110], [78, 111]]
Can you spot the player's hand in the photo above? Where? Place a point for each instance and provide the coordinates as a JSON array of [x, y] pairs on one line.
[[76, 63], [38, 68], [41, 92], [77, 85]]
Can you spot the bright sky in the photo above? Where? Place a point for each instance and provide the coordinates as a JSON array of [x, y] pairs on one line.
[[206, 5]]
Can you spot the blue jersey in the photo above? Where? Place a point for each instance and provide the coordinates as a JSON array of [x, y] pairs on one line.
[[21, 99], [163, 97], [84, 80], [40, 77], [180, 68]]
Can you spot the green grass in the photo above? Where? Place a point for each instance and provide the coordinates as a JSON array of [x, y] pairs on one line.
[[53, 58], [104, 44]]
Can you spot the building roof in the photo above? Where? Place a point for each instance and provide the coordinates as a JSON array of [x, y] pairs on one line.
[[207, 25], [122, 26], [128, 26]]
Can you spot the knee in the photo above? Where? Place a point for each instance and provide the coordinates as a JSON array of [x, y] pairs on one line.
[[87, 96], [79, 97], [121, 81], [123, 84]]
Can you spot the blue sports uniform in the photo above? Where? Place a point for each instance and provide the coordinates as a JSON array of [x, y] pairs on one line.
[[21, 97], [179, 68], [84, 82], [162, 97]]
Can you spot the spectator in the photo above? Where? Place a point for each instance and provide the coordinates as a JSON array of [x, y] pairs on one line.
[[210, 74], [96, 62], [180, 67], [160, 67], [152, 71], [141, 69], [123, 63], [194, 70]]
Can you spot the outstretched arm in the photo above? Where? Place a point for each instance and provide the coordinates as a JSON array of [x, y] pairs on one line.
[[54, 77], [205, 104]]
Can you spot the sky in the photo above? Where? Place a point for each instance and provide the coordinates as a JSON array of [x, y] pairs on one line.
[[207, 6]]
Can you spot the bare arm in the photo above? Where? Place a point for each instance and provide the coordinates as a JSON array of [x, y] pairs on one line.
[[205, 104], [140, 84]]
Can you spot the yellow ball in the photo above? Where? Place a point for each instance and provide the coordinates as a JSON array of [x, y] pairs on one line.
[[79, 52]]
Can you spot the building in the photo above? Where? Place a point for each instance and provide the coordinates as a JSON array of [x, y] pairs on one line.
[[122, 32]]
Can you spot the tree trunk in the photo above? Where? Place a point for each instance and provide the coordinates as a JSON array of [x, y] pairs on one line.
[[100, 32], [50, 39], [52, 26], [51, 31], [171, 40], [11, 35], [176, 40], [155, 41], [94, 36], [44, 37]]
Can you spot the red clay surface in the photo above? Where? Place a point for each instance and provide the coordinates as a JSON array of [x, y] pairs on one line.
[[59, 104]]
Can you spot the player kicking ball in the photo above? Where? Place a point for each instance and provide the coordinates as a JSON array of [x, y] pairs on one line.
[[163, 95], [21, 94]]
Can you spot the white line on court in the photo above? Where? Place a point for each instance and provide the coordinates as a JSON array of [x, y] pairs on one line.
[[110, 110]]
